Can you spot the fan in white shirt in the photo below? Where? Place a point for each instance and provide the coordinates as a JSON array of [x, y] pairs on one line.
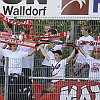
[[28, 62], [94, 62], [79, 69], [59, 65], [46, 65], [15, 57]]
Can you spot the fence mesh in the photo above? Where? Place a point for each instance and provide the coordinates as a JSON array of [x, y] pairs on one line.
[[68, 88]]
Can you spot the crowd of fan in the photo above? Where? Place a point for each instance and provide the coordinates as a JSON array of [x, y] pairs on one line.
[[21, 62]]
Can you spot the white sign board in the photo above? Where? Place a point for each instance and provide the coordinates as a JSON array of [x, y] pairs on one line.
[[51, 9]]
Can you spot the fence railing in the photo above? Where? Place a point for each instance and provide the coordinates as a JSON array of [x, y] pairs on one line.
[[26, 87]]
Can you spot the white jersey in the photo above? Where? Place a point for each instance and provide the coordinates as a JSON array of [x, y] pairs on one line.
[[94, 71], [15, 60], [49, 48], [58, 69], [27, 62], [86, 48]]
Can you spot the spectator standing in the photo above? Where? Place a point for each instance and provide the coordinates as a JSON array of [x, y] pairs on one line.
[[12, 54], [15, 67], [46, 65], [28, 62], [94, 62], [80, 66], [59, 64]]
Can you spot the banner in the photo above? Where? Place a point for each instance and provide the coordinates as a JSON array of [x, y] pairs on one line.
[[71, 90], [51, 9]]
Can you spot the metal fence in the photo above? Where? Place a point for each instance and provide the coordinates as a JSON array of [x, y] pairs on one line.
[[68, 87], [73, 88]]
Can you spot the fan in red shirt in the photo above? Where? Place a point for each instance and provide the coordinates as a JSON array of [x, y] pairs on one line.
[[47, 96], [48, 93]]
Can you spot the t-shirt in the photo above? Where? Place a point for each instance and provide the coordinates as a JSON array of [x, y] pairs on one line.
[[1, 97], [27, 62], [86, 47], [15, 60], [49, 48], [94, 71], [46, 96], [58, 69]]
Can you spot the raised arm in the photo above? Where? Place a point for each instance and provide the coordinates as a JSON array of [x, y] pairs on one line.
[[44, 53], [31, 52], [82, 51], [4, 46], [7, 27], [71, 56], [42, 50], [73, 53]]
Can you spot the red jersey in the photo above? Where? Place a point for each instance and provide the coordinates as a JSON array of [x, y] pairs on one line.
[[47, 96], [1, 97]]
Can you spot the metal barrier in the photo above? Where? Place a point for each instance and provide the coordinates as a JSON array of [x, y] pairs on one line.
[[69, 87]]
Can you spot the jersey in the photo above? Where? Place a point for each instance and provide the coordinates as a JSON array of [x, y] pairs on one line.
[[85, 47], [27, 62], [15, 60], [47, 96], [94, 71], [58, 68]]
